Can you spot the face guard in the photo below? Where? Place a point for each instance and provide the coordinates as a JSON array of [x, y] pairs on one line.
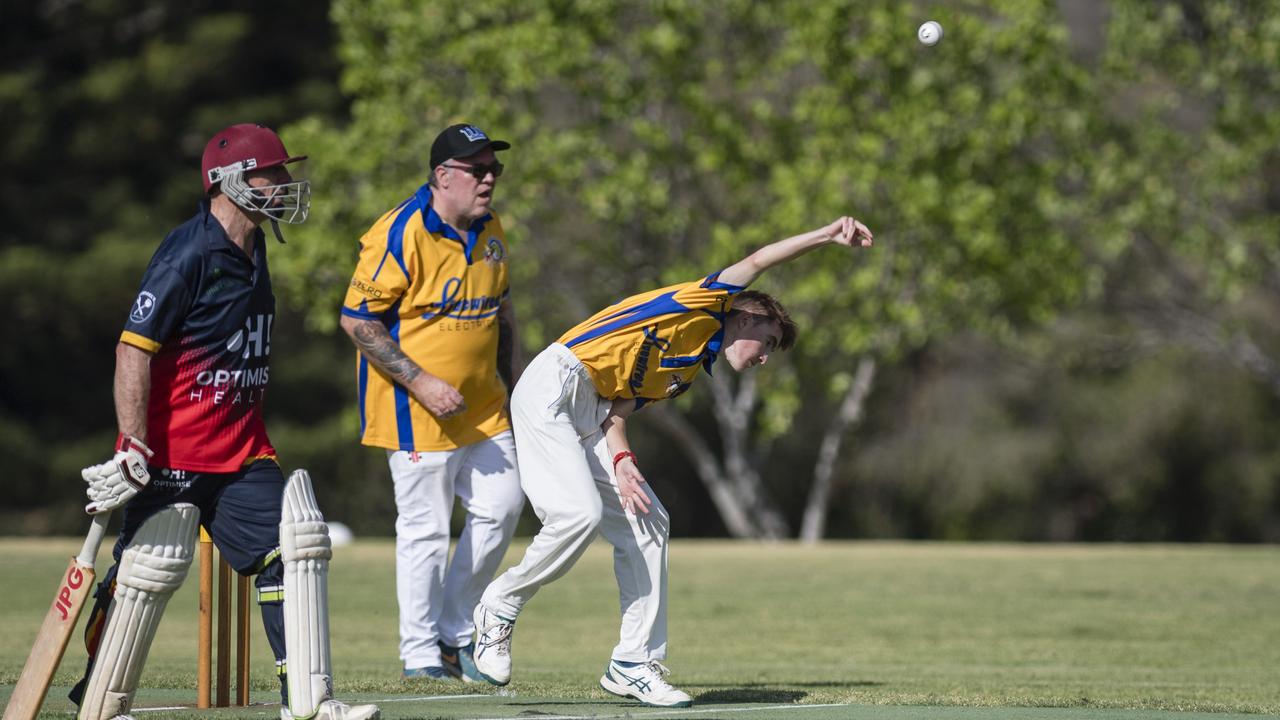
[[287, 202]]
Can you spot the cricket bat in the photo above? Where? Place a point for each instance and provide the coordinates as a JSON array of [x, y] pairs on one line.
[[59, 624]]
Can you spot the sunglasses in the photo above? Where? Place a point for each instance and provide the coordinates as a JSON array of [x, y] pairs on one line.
[[479, 171]]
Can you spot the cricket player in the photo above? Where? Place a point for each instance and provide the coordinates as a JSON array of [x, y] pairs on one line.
[[570, 413], [430, 315], [192, 367]]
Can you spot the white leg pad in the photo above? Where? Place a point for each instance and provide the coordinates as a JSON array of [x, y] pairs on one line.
[[305, 551], [151, 568]]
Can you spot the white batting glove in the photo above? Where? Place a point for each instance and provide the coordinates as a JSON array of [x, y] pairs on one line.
[[114, 482]]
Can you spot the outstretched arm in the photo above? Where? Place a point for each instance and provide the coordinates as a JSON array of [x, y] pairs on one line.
[[844, 231]]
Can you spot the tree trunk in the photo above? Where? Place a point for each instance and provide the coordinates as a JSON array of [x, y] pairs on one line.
[[734, 411], [1207, 334], [852, 408], [733, 511], [734, 485]]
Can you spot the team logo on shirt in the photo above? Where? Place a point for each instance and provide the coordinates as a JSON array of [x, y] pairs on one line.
[[494, 253], [254, 338], [641, 368], [142, 307], [676, 387]]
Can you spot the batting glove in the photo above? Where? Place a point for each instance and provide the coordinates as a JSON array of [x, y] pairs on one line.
[[114, 482]]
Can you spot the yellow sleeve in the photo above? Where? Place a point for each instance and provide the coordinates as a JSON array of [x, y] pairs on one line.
[[707, 294], [381, 275]]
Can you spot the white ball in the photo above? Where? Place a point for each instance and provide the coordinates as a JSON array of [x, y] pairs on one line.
[[929, 33], [340, 534]]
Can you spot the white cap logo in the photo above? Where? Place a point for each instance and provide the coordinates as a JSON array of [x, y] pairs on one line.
[[473, 133], [142, 307]]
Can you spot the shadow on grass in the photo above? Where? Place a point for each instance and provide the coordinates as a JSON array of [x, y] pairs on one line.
[[806, 684], [561, 701], [749, 695]]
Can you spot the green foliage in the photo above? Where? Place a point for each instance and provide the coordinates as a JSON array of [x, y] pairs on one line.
[[1200, 156], [656, 142], [107, 106], [1005, 174]]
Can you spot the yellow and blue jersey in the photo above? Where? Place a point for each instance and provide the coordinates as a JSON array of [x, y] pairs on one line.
[[437, 291], [650, 346]]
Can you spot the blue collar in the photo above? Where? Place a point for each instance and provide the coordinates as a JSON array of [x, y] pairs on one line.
[[436, 225], [713, 350]]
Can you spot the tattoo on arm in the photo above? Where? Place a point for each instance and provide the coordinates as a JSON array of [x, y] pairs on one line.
[[375, 342], [506, 348]]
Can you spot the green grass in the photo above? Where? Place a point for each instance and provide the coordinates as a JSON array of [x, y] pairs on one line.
[[950, 626]]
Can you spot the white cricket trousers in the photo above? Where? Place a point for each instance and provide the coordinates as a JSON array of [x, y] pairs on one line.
[[435, 604], [566, 472]]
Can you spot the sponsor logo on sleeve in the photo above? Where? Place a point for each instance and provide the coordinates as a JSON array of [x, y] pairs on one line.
[[365, 288], [142, 307]]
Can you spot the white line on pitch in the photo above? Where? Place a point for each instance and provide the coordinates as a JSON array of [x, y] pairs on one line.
[[639, 712], [429, 697], [171, 708]]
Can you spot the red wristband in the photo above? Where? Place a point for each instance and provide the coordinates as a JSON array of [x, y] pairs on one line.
[[625, 453]]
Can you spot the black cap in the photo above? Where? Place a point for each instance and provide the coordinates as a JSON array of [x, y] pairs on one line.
[[462, 141]]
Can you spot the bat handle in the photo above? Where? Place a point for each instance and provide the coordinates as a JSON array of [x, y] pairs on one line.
[[97, 531]]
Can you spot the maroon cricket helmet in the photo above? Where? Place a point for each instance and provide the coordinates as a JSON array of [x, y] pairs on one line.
[[240, 148]]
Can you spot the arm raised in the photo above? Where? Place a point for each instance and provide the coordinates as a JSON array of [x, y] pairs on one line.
[[843, 231]]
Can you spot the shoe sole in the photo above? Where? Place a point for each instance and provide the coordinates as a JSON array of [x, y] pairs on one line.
[[491, 681], [621, 692]]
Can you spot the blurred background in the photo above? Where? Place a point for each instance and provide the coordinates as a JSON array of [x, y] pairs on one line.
[[1065, 331]]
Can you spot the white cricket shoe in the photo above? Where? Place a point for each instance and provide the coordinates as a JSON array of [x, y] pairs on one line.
[[493, 645], [334, 710], [644, 682]]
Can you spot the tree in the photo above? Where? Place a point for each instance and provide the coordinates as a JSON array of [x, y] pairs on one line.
[[108, 105], [1194, 174], [654, 142]]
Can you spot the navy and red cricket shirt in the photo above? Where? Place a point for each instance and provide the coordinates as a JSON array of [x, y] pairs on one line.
[[204, 309]]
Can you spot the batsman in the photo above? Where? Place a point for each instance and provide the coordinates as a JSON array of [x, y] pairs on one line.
[[191, 375]]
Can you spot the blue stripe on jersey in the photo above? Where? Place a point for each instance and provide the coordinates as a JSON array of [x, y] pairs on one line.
[[713, 348], [680, 362], [361, 313], [473, 237], [714, 284], [362, 386], [395, 240], [404, 421], [661, 305], [481, 315]]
